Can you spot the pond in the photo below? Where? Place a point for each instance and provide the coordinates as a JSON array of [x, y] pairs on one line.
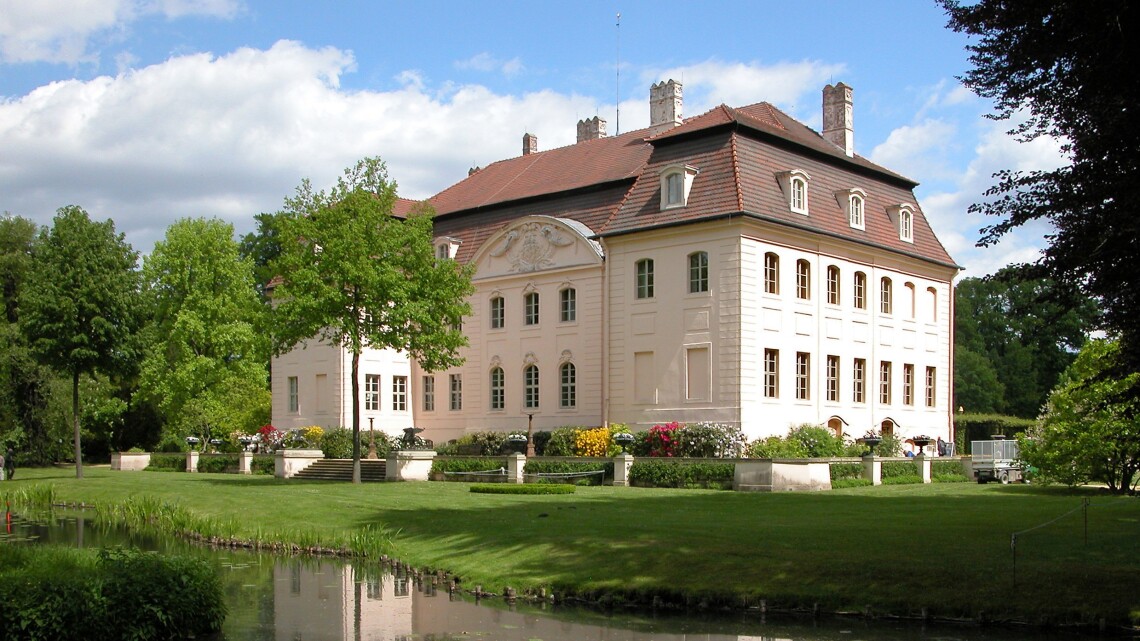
[[286, 598]]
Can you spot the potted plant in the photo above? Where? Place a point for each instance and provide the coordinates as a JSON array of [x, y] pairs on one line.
[[624, 439], [871, 439]]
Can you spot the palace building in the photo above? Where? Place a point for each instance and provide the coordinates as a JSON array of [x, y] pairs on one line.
[[733, 267]]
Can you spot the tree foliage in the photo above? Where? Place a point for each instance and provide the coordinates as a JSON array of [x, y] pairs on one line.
[[1061, 65], [78, 307], [1090, 430], [206, 360], [354, 275], [1014, 335]]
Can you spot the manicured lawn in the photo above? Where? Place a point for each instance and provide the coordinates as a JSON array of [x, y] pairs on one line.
[[898, 549]]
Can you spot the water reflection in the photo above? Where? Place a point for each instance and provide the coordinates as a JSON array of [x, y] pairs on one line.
[[272, 598]]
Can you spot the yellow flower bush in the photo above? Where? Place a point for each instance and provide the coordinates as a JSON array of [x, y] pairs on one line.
[[592, 442], [313, 434]]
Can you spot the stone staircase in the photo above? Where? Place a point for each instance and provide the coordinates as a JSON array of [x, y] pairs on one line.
[[341, 470]]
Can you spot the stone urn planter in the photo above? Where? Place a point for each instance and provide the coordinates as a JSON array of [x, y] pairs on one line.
[[624, 439]]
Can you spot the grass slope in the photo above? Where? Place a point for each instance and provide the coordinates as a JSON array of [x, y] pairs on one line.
[[897, 549]]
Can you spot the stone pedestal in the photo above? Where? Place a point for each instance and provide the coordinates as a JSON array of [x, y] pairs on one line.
[[409, 465], [782, 475], [245, 463], [192, 461], [873, 469], [515, 465], [130, 461], [622, 463], [924, 464], [288, 462]]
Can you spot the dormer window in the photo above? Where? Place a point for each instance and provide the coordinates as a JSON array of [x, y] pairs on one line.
[[794, 183], [446, 247], [676, 182], [852, 202], [903, 216]]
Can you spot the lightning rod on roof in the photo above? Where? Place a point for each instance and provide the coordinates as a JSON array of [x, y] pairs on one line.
[[617, 85]]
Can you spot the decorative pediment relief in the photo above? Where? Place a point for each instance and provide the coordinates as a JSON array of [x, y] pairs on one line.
[[531, 246]]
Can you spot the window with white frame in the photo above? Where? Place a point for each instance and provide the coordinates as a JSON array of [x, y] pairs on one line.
[[771, 273], [803, 280], [568, 305], [803, 376], [498, 312], [645, 278], [498, 389], [932, 304], [676, 183], [400, 393], [860, 291], [794, 184], [832, 378], [908, 384], [372, 392], [856, 211], [931, 380], [852, 202], [530, 387], [698, 272], [429, 393], [885, 382], [906, 225], [568, 375], [294, 395], [859, 380], [455, 390], [886, 292], [771, 373], [530, 305], [909, 303], [832, 285]]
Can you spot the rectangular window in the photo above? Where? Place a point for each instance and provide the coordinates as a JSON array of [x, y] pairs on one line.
[[698, 272], [697, 374], [569, 376], [400, 393], [859, 380], [644, 378], [885, 382], [531, 305], [429, 393], [294, 397], [645, 278], [498, 391], [372, 392], [321, 387], [771, 273], [931, 379], [803, 376], [771, 373], [456, 391], [908, 384], [833, 378], [568, 305], [833, 285], [530, 387], [675, 183], [498, 312], [803, 280]]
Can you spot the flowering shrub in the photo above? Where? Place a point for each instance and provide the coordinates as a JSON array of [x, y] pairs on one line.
[[593, 442], [312, 434], [710, 440], [562, 442], [271, 437], [662, 439]]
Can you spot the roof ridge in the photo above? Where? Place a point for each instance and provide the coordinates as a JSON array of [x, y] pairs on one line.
[[736, 174]]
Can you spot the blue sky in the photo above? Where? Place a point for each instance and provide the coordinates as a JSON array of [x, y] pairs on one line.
[[147, 111]]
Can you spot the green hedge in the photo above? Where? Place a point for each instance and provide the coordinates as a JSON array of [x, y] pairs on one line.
[[838, 484], [846, 471], [211, 463], [441, 467], [892, 469], [981, 427], [666, 473], [218, 463], [160, 462], [903, 479], [948, 472], [61, 593], [569, 467]]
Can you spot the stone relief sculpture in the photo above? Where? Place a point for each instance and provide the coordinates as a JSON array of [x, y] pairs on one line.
[[536, 244]]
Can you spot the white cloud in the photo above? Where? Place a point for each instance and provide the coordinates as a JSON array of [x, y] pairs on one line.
[[487, 63], [60, 31], [917, 150]]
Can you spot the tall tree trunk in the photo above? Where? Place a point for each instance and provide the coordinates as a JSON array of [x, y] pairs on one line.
[[75, 423], [355, 417]]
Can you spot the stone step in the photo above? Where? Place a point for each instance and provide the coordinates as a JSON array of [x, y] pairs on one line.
[[341, 470]]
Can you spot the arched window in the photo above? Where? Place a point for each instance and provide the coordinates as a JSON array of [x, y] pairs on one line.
[[799, 195], [498, 389], [832, 285], [906, 225], [698, 272], [803, 279], [910, 299], [856, 208], [885, 292], [860, 290], [932, 303], [771, 273], [645, 278], [530, 387], [568, 376]]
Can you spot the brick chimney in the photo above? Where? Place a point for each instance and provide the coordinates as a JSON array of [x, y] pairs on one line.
[[530, 144], [664, 106], [591, 129], [837, 120]]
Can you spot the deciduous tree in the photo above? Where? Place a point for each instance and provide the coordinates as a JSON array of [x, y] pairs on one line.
[[354, 275], [78, 307]]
